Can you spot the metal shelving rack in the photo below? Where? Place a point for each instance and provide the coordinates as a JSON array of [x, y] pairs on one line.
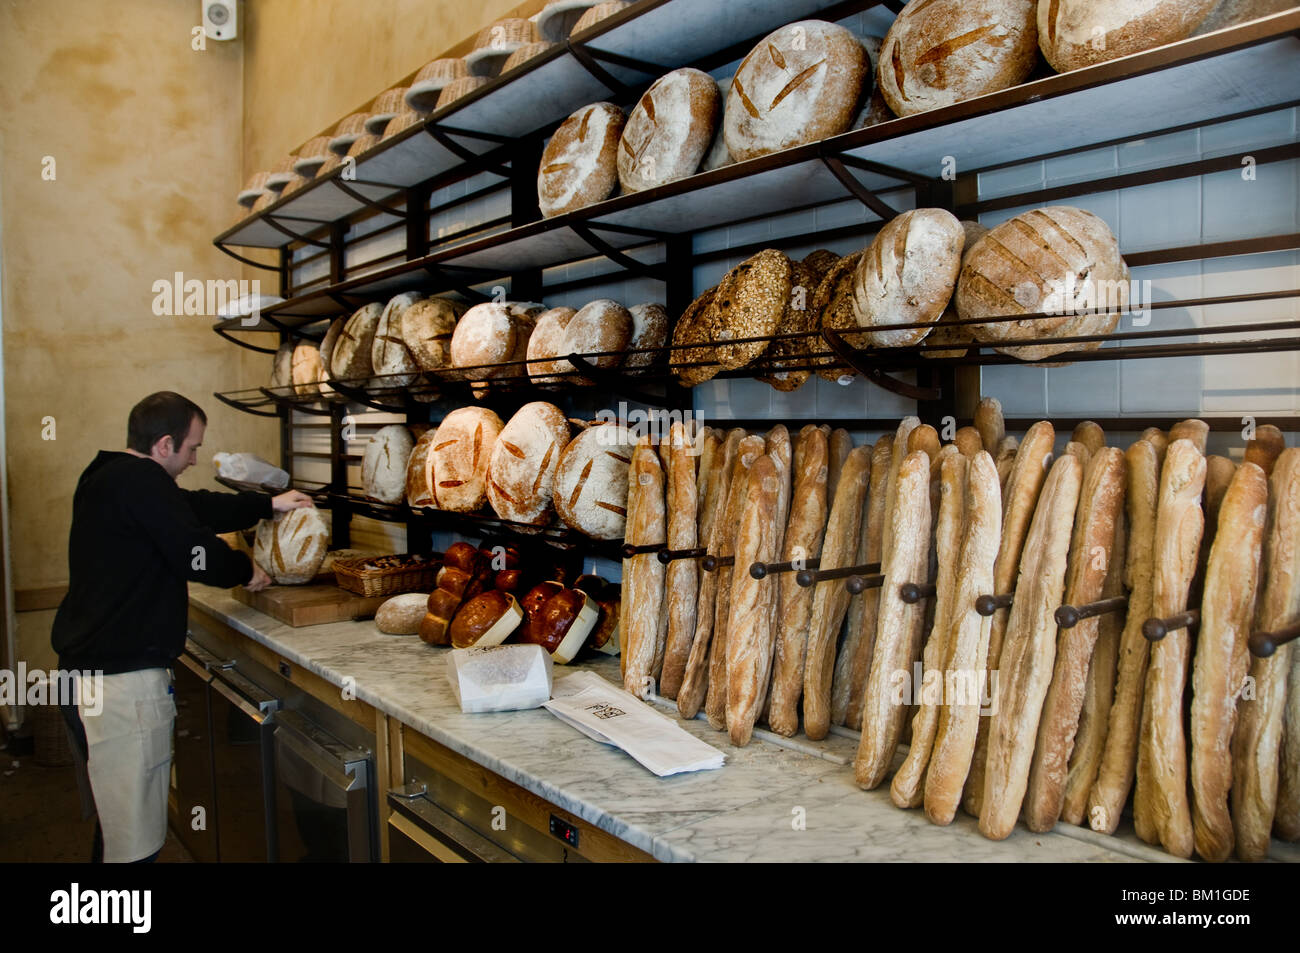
[[501, 129]]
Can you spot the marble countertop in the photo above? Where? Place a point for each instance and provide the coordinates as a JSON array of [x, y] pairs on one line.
[[775, 800]]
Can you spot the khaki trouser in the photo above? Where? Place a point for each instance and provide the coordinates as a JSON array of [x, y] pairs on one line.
[[129, 756]]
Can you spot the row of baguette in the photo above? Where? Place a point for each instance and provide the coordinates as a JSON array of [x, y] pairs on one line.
[[1076, 718]]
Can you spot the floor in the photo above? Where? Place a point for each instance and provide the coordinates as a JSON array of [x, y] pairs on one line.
[[40, 813]]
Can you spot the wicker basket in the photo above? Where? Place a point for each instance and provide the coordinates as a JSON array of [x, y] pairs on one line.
[[386, 575], [50, 735]]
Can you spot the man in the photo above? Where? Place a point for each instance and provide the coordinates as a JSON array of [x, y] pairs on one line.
[[136, 539]]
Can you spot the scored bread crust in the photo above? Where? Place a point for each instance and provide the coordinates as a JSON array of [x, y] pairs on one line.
[[1101, 501], [1025, 666], [1119, 756], [350, 358], [1222, 658], [954, 739], [427, 327], [591, 481], [833, 304], [523, 462], [898, 633], [1161, 812], [546, 344], [580, 163], [669, 130], [749, 616], [383, 466], [643, 574], [461, 449], [1077, 33], [420, 472], [681, 582]]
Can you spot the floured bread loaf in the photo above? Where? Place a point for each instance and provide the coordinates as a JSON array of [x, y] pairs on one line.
[[649, 330], [940, 52], [402, 615], [426, 329], [591, 481], [1078, 33], [383, 467], [579, 166], [491, 333], [599, 326], [291, 547], [945, 330], [419, 472], [718, 156], [389, 354], [1055, 261], [462, 446], [546, 343], [907, 275], [669, 131], [306, 369], [350, 358], [282, 365], [800, 84], [521, 468]]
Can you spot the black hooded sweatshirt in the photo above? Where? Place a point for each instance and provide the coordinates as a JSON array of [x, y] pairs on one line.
[[136, 539]]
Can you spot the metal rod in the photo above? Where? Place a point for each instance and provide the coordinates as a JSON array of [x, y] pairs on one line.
[[858, 584], [668, 555], [629, 550], [808, 577], [986, 605], [912, 593], [1157, 629], [1264, 644], [761, 570], [713, 563], [1067, 616]]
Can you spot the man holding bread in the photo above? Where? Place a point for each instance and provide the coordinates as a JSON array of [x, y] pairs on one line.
[[136, 539]]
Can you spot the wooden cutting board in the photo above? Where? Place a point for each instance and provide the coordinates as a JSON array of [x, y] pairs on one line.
[[312, 604]]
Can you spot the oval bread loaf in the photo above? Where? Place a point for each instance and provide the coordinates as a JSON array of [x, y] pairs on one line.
[[940, 52], [462, 446], [669, 131], [801, 83], [350, 358], [945, 331], [402, 615], [426, 329], [489, 334], [1077, 33], [420, 472], [580, 163], [750, 302], [282, 365], [907, 275], [389, 354], [599, 326], [546, 343], [649, 330], [383, 467], [292, 546], [306, 370], [591, 481], [521, 468]]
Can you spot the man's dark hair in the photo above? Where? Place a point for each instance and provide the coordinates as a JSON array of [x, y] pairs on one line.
[[159, 415]]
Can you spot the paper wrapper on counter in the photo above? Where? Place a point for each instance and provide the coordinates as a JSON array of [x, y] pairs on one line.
[[614, 717], [499, 677]]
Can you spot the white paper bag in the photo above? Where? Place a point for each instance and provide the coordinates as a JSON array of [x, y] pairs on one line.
[[499, 677]]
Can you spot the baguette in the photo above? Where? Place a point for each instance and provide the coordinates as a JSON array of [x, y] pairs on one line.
[[830, 598], [715, 705], [1286, 820], [898, 451], [1197, 431], [1257, 738], [681, 579], [1159, 441], [1119, 756], [1019, 497], [864, 607], [1005, 459], [1099, 689], [1025, 666], [643, 574], [1222, 658], [968, 441], [780, 451], [964, 662], [749, 619], [705, 480], [695, 679], [841, 443], [908, 786], [898, 634], [990, 423], [803, 540], [1265, 447], [1101, 500], [1161, 813], [924, 438], [1090, 434]]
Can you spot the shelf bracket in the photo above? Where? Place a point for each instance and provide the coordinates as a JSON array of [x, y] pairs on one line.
[[628, 263], [244, 259], [857, 189], [284, 230], [230, 402], [589, 60], [616, 382], [481, 163], [854, 358], [356, 196], [359, 396], [244, 344]]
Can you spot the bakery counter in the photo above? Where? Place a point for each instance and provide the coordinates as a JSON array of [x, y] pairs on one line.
[[774, 800]]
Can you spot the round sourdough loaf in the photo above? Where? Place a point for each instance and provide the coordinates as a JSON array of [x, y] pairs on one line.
[[350, 359], [326, 352], [907, 275], [749, 303], [521, 469], [591, 481], [389, 354], [489, 334], [959, 336], [383, 467], [689, 337], [649, 330], [402, 615], [599, 326], [1054, 260], [940, 52], [461, 449], [420, 473], [580, 163], [800, 84], [788, 357], [292, 546], [1077, 33], [834, 307], [669, 131], [282, 365], [427, 326], [546, 343], [306, 369]]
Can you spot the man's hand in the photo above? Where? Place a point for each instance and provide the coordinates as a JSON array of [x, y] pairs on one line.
[[292, 500], [259, 581]]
